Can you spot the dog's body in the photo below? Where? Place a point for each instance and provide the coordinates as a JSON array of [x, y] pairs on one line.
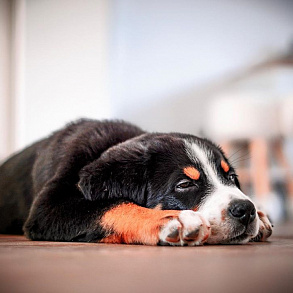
[[111, 182]]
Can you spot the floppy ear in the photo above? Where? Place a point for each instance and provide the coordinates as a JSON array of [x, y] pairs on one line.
[[119, 173]]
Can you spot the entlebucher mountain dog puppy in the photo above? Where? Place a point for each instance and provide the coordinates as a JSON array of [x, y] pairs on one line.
[[111, 182]]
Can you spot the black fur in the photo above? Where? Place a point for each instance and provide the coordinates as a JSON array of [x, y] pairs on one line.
[[61, 185]]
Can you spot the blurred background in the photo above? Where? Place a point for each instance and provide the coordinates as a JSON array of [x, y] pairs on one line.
[[219, 69]]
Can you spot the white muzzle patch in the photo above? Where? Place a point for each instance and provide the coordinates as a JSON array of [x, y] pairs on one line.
[[215, 207]]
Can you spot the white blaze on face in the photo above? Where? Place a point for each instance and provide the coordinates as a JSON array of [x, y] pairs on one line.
[[214, 207]]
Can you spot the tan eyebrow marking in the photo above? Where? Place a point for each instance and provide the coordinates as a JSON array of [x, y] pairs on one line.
[[225, 166], [191, 172]]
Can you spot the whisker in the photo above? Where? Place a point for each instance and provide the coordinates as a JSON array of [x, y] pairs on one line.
[[236, 152], [242, 158], [243, 155]]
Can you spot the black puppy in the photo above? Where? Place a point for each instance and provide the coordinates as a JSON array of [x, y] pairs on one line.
[[108, 181]]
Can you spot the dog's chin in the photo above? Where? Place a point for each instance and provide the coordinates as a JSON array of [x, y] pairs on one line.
[[240, 239], [233, 235]]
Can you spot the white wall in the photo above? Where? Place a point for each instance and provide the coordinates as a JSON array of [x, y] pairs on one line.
[[164, 51], [5, 110], [143, 61], [66, 72]]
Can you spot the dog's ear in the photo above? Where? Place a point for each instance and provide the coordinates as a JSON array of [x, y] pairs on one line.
[[121, 172]]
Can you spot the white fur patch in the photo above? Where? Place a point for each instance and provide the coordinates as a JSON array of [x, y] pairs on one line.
[[189, 229], [215, 206]]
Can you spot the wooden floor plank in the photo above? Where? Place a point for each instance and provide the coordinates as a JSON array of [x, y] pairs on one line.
[[27, 266]]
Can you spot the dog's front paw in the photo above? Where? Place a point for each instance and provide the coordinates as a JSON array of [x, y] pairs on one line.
[[265, 228], [190, 228]]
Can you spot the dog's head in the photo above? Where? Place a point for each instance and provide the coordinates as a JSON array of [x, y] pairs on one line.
[[175, 172]]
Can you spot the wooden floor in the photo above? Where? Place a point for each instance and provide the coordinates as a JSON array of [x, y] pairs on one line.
[[27, 266]]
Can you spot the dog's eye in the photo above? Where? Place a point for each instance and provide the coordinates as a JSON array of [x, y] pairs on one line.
[[232, 177], [184, 184]]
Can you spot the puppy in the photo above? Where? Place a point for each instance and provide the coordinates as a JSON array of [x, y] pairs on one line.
[[110, 182]]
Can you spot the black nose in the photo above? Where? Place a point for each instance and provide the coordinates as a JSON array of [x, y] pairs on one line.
[[242, 210]]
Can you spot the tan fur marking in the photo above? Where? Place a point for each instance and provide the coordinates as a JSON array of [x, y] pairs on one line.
[[191, 172], [132, 224], [158, 207], [225, 166]]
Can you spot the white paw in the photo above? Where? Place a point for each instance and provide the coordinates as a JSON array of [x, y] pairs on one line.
[[265, 228], [190, 228]]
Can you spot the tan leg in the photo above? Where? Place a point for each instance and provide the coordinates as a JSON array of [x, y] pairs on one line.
[[282, 160], [260, 169]]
